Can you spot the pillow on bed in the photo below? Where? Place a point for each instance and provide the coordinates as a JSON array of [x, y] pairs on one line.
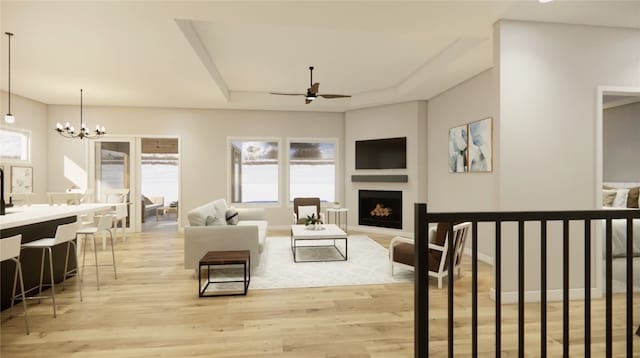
[[608, 196], [633, 200], [621, 198]]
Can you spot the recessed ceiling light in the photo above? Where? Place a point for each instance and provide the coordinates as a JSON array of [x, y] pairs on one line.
[[544, 1]]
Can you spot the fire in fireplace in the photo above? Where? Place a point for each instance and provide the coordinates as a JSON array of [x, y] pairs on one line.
[[382, 208]]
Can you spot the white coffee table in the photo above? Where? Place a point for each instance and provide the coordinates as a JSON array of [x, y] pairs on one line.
[[328, 232]]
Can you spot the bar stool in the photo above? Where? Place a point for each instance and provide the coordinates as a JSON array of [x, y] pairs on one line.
[[104, 225], [10, 250], [65, 233], [119, 214]]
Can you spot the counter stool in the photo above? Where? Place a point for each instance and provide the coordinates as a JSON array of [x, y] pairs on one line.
[[104, 225], [65, 233], [10, 250], [119, 213]]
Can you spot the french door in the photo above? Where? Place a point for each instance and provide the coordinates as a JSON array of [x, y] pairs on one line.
[[112, 167]]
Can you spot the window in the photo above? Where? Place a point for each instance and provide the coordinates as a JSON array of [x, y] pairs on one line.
[[312, 170], [254, 171], [14, 145]]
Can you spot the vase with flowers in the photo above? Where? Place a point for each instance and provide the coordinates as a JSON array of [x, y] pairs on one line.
[[312, 222]]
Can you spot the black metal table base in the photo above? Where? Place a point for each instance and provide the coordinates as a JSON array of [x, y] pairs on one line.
[[202, 291], [342, 255]]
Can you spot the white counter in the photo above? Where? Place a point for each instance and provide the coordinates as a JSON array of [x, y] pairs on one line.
[[26, 215]]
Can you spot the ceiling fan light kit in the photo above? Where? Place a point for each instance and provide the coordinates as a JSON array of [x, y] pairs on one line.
[[312, 91]]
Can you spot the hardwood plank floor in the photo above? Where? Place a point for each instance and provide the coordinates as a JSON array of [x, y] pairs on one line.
[[153, 309]]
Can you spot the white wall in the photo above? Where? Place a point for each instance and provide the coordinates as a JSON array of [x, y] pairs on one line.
[[470, 101], [548, 79], [397, 120], [30, 116], [621, 143], [203, 139]]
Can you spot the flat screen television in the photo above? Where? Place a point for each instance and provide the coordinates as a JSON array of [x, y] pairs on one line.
[[387, 153]]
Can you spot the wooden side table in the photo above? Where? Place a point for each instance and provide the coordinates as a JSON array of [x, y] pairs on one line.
[[217, 258], [337, 217]]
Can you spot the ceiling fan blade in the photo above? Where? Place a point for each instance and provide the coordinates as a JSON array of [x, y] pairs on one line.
[[334, 96], [314, 88], [307, 101], [287, 94]]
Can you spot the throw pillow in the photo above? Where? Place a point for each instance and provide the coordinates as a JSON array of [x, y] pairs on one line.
[[307, 210], [608, 196], [620, 200], [210, 220], [633, 200], [220, 206], [232, 216]]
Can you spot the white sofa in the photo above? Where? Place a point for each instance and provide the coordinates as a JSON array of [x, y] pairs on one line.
[[199, 238]]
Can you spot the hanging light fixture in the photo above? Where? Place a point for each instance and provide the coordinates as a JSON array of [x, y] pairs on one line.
[[9, 118], [69, 131]]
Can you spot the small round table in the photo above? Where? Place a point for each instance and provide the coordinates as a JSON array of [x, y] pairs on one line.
[[337, 217]]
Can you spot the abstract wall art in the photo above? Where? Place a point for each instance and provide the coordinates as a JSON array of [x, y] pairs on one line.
[[480, 146], [458, 149]]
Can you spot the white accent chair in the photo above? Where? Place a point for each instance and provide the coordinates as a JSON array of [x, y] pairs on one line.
[[10, 250], [104, 223], [65, 233], [401, 251]]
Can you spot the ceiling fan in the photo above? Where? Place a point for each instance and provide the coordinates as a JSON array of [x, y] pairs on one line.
[[312, 92]]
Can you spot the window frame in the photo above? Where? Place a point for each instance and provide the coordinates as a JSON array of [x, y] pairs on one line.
[[335, 141], [29, 136], [229, 171]]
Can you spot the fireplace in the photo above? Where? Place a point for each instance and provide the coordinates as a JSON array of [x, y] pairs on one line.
[[382, 208]]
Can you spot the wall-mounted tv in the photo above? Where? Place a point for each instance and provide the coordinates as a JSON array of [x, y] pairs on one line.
[[388, 153]]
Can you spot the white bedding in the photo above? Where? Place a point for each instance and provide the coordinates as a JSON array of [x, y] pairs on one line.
[[619, 237]]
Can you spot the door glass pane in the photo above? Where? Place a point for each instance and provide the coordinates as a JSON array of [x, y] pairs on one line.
[[112, 167]]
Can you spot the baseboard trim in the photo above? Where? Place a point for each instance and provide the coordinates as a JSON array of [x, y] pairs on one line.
[[279, 227], [552, 295], [381, 231], [481, 257]]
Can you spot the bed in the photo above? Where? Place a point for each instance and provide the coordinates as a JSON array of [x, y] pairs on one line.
[[619, 233]]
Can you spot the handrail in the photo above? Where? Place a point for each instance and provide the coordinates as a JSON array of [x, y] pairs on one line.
[[421, 294]]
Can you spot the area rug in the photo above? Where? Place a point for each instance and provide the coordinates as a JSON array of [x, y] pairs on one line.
[[367, 264]]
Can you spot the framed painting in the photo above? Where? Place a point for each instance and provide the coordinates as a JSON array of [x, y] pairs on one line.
[[21, 179], [458, 152], [481, 145]]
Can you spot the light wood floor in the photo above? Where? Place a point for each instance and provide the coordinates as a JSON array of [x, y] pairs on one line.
[[153, 309]]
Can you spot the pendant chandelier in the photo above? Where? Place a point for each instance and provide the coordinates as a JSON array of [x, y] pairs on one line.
[[9, 118], [69, 131]]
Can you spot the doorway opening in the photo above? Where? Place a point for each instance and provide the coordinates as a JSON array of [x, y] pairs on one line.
[[159, 184], [619, 182]]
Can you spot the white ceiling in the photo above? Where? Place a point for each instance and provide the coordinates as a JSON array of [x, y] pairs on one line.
[[231, 54]]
